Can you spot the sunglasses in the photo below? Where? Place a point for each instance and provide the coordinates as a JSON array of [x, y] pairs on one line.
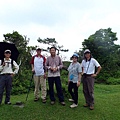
[[74, 57], [7, 53]]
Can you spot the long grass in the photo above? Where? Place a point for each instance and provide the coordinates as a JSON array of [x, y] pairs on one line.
[[107, 107]]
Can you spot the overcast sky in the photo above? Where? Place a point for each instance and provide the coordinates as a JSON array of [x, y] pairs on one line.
[[68, 21]]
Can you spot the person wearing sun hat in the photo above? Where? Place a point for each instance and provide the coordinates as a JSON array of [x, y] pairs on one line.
[[88, 70], [74, 79]]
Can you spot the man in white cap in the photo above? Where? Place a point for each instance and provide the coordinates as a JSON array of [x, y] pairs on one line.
[[6, 75], [88, 70]]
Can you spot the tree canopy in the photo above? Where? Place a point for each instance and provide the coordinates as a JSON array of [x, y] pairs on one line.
[[103, 48]]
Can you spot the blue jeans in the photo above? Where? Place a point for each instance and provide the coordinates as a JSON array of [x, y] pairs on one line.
[[5, 82], [57, 81]]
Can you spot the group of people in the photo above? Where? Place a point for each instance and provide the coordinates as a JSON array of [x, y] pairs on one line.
[[52, 66]]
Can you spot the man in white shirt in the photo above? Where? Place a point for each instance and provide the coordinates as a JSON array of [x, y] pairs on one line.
[[88, 70], [6, 75], [38, 67]]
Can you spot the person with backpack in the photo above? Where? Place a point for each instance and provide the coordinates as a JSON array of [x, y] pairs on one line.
[[6, 75], [88, 70], [38, 68], [74, 79], [53, 65]]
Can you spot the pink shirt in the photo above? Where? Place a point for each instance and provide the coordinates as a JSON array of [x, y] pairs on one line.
[[54, 62]]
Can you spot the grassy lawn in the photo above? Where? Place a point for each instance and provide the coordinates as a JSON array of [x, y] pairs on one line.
[[107, 107]]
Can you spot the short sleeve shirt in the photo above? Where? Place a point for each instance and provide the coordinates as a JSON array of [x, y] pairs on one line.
[[89, 66], [74, 70]]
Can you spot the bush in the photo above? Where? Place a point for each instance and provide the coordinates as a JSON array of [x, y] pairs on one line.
[[113, 81], [21, 82]]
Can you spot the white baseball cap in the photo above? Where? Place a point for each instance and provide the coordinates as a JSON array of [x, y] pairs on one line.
[[87, 51], [7, 51]]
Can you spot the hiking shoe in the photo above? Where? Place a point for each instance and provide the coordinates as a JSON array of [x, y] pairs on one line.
[[73, 105], [62, 103], [8, 103], [36, 99], [71, 100], [91, 107], [52, 102], [43, 100], [86, 105]]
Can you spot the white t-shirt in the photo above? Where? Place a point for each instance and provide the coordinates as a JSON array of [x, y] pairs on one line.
[[92, 64], [38, 66]]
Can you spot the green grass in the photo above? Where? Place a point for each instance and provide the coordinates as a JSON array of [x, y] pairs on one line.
[[107, 107]]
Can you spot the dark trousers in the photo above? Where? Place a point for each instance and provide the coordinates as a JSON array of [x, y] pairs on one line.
[[5, 83], [57, 81], [73, 90], [88, 89]]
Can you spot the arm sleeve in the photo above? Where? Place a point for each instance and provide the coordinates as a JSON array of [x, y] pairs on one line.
[[60, 63], [47, 63], [32, 60], [16, 66], [96, 63], [79, 68], [1, 67], [82, 64]]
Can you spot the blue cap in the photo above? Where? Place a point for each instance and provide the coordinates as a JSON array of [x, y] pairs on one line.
[[75, 54]]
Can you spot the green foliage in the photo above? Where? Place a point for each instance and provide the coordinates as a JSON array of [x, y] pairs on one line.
[[21, 82], [103, 48], [113, 81], [22, 79]]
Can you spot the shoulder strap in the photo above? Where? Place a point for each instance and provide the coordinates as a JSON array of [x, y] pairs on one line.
[[12, 62], [88, 67]]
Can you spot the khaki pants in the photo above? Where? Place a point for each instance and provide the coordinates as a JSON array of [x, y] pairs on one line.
[[39, 80]]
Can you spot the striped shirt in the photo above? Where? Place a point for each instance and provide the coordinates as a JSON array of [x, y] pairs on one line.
[[53, 62]]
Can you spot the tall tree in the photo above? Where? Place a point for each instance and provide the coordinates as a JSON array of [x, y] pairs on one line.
[[21, 43], [52, 42], [103, 48]]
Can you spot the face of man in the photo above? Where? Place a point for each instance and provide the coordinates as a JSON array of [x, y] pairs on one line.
[[7, 54], [87, 54], [53, 52], [38, 52]]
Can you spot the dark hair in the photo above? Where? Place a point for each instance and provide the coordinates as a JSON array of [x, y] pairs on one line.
[[86, 58], [53, 48], [38, 49]]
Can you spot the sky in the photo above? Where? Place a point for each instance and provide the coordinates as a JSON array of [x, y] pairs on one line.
[[68, 21]]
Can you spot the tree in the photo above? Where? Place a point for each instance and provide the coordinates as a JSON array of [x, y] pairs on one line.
[[103, 48], [22, 79], [53, 43], [21, 43]]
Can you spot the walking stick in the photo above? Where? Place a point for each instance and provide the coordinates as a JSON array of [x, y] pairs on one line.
[[29, 87]]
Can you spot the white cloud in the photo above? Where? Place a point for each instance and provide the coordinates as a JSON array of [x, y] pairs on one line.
[[69, 21]]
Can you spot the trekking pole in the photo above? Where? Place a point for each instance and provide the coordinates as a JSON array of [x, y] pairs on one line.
[[29, 86]]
